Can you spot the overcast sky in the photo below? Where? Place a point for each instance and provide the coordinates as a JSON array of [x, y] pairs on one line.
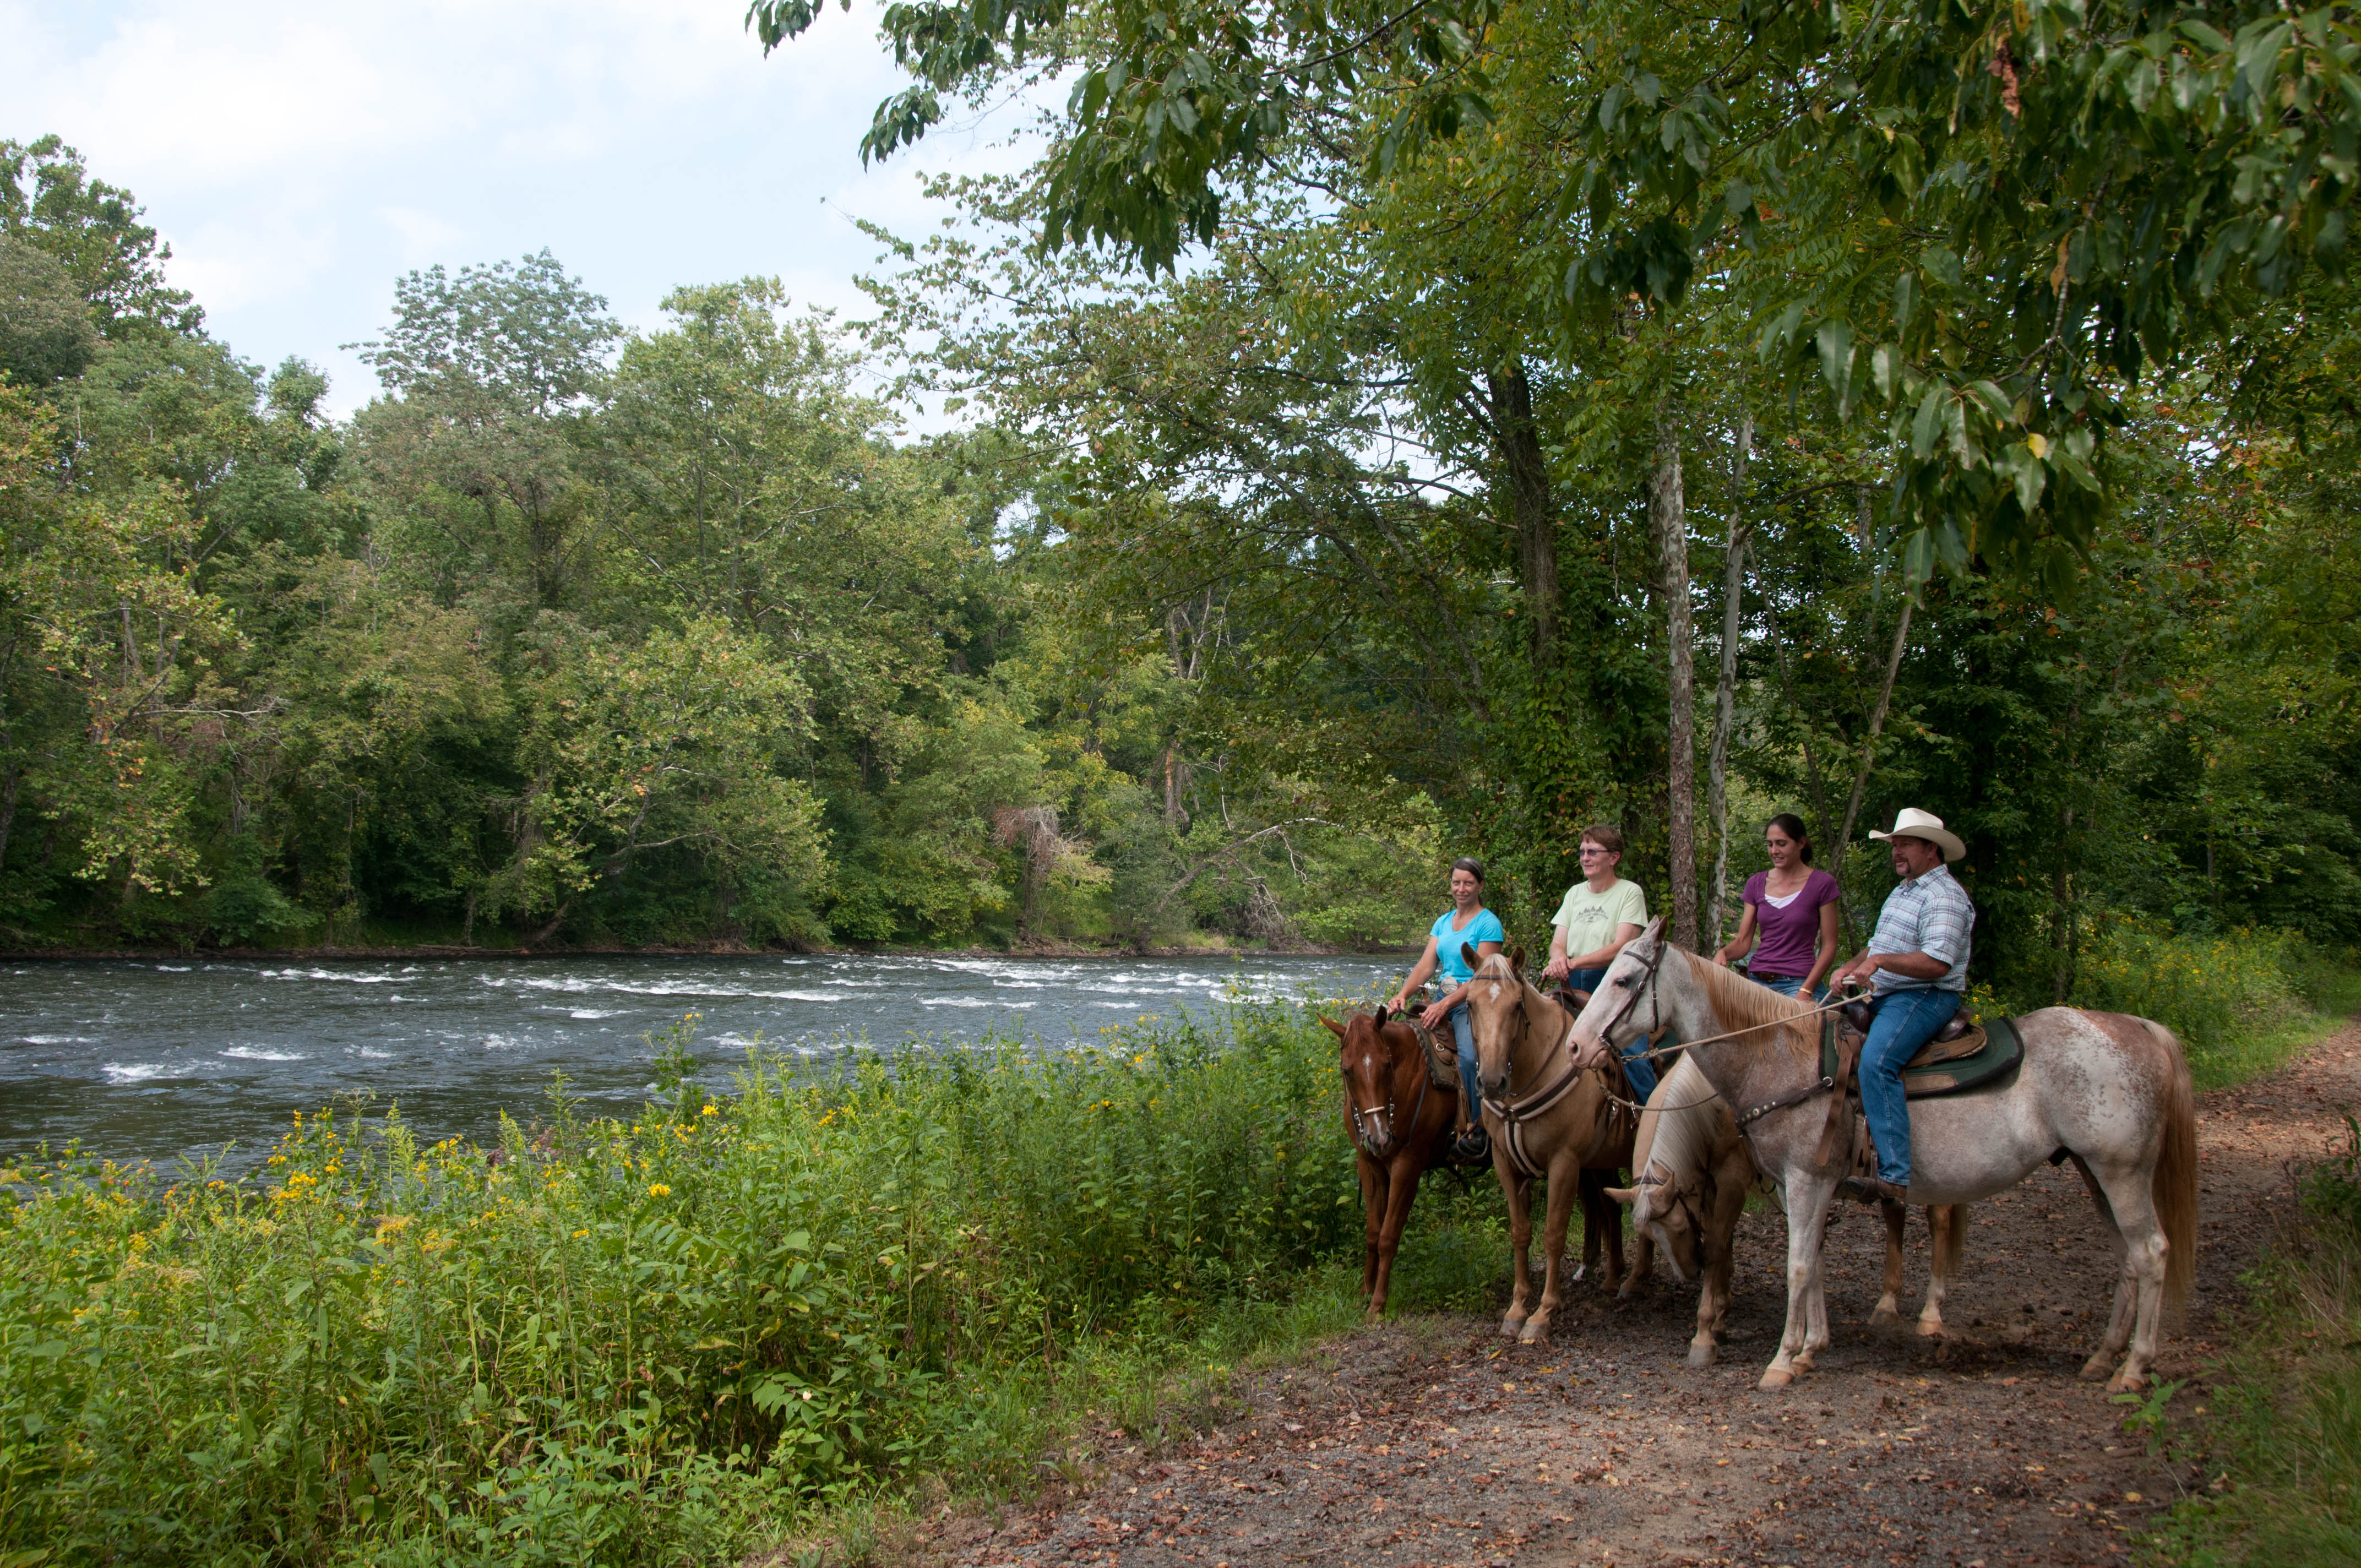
[[299, 155]]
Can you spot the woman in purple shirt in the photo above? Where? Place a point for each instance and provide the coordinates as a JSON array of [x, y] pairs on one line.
[[1792, 909]]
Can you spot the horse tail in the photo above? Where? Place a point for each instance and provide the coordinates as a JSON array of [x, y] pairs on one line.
[[2175, 1188]]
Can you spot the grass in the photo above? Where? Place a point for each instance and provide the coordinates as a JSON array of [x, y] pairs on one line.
[[679, 1339], [2286, 1440]]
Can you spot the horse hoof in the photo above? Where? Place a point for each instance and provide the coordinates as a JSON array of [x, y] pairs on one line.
[[2096, 1368], [1930, 1328], [1776, 1377], [2128, 1382], [1883, 1317], [1510, 1326], [1701, 1353], [1534, 1331]]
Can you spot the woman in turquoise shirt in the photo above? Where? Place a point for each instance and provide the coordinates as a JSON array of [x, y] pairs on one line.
[[1466, 923]]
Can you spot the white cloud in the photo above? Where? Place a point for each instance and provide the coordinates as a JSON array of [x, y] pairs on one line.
[[300, 156]]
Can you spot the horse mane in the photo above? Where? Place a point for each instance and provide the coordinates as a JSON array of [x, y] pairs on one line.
[[1741, 1003], [1675, 1137]]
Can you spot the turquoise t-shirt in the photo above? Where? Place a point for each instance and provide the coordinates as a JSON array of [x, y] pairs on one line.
[[1485, 927]]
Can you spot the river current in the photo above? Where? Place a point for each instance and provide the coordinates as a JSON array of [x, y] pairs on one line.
[[163, 1059]]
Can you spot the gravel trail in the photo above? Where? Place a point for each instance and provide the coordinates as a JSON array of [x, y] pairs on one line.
[[1433, 1443]]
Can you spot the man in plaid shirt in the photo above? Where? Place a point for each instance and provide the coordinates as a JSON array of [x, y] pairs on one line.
[[1917, 969]]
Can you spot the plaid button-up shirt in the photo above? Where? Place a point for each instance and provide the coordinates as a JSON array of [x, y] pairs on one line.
[[1927, 914]]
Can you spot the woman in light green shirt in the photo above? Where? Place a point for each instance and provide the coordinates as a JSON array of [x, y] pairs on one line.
[[1597, 916]]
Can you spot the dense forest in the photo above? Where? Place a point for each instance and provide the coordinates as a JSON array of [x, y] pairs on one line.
[[1383, 442]]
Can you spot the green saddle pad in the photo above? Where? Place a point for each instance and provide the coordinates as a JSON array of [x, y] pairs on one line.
[[2003, 1053]]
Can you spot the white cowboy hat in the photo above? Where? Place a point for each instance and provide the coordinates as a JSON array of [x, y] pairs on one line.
[[1913, 823]]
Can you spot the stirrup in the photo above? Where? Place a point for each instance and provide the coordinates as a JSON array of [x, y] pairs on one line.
[[1873, 1190], [1472, 1145]]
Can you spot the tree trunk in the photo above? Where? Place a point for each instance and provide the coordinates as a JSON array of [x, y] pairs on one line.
[[1725, 694], [1869, 744], [1531, 507], [7, 810], [1668, 516]]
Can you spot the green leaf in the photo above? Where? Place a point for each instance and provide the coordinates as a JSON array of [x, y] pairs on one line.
[[1927, 428], [2030, 478], [1885, 368]]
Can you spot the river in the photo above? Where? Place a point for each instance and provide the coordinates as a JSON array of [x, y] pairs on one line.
[[162, 1059]]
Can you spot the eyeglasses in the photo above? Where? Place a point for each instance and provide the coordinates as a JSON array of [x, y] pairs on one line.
[[1591, 850]]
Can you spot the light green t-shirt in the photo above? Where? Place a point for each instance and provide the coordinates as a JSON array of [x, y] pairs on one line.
[[1589, 918]]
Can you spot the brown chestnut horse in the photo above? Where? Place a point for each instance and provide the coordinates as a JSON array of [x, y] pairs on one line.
[[1401, 1126]]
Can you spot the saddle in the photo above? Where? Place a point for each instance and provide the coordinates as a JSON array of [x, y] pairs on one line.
[[1965, 1053], [1441, 1053]]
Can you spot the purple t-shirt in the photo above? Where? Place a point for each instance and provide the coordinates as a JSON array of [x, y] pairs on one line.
[[1790, 934]]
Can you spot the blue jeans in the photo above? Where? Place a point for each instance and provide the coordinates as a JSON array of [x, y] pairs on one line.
[[1904, 1022], [1638, 1067], [1790, 985], [1464, 1032]]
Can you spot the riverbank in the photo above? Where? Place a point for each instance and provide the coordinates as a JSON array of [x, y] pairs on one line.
[[662, 1338]]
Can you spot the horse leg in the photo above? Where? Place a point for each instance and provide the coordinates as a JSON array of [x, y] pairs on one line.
[[1887, 1310], [1611, 1228], [1521, 1237], [1809, 1195], [1644, 1242], [1717, 1250], [1562, 1194], [1947, 1225], [2139, 1290], [1373, 1209], [1401, 1191]]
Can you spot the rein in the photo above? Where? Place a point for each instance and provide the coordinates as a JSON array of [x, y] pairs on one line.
[[1823, 1083], [1514, 1112]]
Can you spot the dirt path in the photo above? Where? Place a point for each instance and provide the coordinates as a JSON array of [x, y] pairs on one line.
[[1437, 1444]]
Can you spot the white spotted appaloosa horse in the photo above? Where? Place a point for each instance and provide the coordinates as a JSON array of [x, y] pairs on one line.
[[2107, 1090]]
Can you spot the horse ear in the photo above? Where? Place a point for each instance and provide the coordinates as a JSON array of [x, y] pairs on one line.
[[1516, 958], [1469, 953], [1382, 1015], [1626, 1196], [1334, 1028], [1656, 931]]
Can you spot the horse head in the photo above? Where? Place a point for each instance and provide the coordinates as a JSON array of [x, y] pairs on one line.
[[1367, 1056], [1625, 1005], [1502, 1009], [1667, 1210]]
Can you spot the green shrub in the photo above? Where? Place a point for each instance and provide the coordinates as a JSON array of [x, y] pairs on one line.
[[2207, 989], [643, 1342]]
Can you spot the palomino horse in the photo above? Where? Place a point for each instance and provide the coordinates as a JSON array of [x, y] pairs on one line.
[[2109, 1090], [1400, 1124], [1691, 1171], [1547, 1116]]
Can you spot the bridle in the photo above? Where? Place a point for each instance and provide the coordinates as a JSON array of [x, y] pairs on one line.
[[1361, 1135], [1821, 1083], [1632, 1001], [1680, 1200]]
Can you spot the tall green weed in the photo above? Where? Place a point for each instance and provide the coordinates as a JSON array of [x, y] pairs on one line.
[[638, 1341]]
